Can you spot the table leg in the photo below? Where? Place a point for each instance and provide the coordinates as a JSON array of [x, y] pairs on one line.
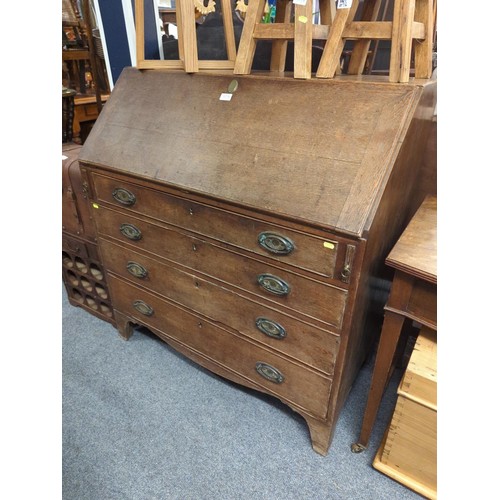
[[391, 331]]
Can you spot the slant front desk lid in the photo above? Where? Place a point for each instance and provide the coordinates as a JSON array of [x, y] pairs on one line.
[[318, 151]]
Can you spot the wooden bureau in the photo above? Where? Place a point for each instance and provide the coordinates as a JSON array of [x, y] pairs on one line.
[[246, 233]]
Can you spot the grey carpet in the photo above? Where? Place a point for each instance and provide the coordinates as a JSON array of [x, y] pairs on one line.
[[141, 422]]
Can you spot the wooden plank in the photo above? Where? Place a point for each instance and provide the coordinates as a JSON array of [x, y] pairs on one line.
[[424, 12], [139, 31], [246, 48], [227, 19], [401, 41], [327, 11], [279, 47], [203, 65], [380, 30], [75, 55], [359, 54], [330, 58], [188, 36], [287, 32], [302, 58], [180, 34]]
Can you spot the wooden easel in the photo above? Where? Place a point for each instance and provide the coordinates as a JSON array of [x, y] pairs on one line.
[[413, 21], [302, 32], [188, 50]]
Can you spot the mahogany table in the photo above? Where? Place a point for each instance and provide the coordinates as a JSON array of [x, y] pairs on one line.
[[413, 296]]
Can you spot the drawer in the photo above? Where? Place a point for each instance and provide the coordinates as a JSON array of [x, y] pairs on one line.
[[312, 346], [287, 380], [272, 240], [315, 299]]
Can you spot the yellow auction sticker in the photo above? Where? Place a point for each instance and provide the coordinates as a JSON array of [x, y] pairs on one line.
[[303, 19], [95, 205], [329, 245]]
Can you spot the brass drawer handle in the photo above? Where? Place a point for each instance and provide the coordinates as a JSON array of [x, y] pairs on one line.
[[124, 196], [270, 328], [276, 243], [130, 232], [269, 372], [273, 284], [345, 274], [137, 270], [143, 308]]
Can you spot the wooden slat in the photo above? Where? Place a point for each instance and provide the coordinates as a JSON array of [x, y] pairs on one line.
[[327, 10], [286, 32], [180, 34], [359, 54], [302, 58], [267, 31], [227, 19], [160, 64], [424, 12], [139, 31], [188, 24], [178, 64], [380, 30], [334, 44], [401, 41], [246, 48], [279, 47], [75, 55]]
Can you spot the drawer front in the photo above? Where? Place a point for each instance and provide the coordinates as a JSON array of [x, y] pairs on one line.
[[307, 344], [295, 384], [309, 297], [292, 247]]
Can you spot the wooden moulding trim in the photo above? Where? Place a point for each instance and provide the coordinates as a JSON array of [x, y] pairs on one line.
[[177, 64]]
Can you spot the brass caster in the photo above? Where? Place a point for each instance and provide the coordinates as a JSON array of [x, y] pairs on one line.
[[357, 448]]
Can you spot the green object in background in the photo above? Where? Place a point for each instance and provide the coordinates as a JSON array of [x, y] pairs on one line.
[[270, 16]]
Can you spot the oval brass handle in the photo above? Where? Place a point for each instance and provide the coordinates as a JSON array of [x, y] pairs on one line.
[[130, 232], [345, 274], [143, 308], [124, 196], [270, 328], [273, 284], [269, 372], [276, 243], [137, 270]]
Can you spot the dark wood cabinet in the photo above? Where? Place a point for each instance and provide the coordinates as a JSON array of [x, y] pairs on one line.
[[246, 233]]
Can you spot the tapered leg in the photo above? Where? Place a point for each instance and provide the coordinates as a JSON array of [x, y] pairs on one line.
[[389, 337]]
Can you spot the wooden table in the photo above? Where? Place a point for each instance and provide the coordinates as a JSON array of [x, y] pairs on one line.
[[413, 296]]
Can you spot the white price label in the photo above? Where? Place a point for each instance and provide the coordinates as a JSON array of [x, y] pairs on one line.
[[344, 4], [299, 2], [225, 96]]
